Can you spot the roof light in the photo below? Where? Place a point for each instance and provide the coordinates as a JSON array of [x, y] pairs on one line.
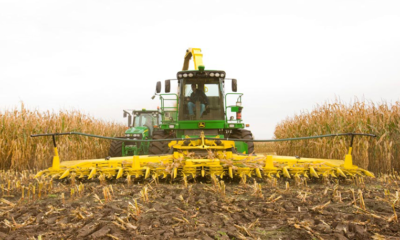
[[211, 74], [222, 75], [217, 74], [180, 75], [190, 74], [185, 75]]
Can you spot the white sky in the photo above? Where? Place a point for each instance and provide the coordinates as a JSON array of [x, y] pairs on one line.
[[104, 56]]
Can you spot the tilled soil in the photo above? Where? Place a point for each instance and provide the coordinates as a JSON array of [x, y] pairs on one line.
[[210, 209]]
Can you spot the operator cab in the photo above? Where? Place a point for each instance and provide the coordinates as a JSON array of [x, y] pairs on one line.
[[211, 83]]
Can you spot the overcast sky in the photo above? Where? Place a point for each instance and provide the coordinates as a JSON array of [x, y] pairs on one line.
[[104, 56]]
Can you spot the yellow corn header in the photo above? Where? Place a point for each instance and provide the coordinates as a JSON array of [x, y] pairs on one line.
[[205, 157]]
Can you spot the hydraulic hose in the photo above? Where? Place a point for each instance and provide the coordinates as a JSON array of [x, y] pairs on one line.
[[196, 138], [111, 138], [295, 139]]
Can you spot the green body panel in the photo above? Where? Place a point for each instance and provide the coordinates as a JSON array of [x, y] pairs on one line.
[[207, 136], [129, 150], [209, 124], [235, 109], [241, 147], [138, 130], [194, 124], [139, 148]]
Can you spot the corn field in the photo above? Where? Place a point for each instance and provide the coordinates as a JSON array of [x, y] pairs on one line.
[[381, 154], [20, 151], [266, 148]]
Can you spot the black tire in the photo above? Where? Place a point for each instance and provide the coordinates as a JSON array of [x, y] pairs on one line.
[[157, 148], [115, 149], [244, 134]]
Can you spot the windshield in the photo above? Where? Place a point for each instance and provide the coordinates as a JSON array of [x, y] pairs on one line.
[[201, 99], [211, 90], [145, 119]]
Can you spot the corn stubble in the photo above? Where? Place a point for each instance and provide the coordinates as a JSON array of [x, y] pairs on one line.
[[380, 155], [19, 151], [186, 205]]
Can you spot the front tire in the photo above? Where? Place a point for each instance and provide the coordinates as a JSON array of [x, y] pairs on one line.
[[244, 134], [115, 149], [157, 148]]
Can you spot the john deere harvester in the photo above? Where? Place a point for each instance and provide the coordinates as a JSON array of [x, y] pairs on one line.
[[200, 134]]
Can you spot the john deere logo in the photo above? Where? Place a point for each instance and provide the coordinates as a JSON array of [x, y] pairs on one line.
[[202, 124]]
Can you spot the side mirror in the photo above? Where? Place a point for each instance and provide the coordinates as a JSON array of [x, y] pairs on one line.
[[129, 120], [158, 87], [234, 85], [167, 86], [129, 117]]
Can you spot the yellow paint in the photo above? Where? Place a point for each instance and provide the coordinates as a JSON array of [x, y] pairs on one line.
[[313, 172], [65, 174], [56, 160], [92, 173], [340, 172], [197, 58], [120, 172]]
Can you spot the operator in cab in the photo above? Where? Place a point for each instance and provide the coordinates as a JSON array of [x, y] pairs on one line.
[[197, 95]]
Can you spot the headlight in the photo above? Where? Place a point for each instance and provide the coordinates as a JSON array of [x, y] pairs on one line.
[[136, 135], [128, 135], [171, 126], [231, 125]]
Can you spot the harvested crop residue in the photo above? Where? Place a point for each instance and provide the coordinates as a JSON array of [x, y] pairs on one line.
[[205, 209]]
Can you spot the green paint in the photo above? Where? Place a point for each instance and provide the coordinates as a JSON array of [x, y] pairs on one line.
[[234, 109], [241, 147]]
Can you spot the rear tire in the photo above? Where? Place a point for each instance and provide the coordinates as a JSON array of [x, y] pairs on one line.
[[244, 134], [115, 149], [157, 148]]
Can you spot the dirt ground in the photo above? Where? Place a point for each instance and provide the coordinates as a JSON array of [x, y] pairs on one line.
[[205, 209]]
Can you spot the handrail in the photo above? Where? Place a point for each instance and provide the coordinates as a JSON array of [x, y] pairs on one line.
[[172, 99], [226, 107]]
